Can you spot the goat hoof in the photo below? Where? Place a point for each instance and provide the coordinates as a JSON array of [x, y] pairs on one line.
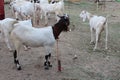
[[19, 68], [92, 43], [26, 48], [94, 49], [45, 63], [49, 64], [46, 68]]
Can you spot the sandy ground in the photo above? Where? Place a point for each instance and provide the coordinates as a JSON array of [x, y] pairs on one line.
[[89, 65]]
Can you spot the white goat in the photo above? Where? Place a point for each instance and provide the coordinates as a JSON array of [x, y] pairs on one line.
[[97, 24], [57, 8], [6, 26], [38, 37], [24, 9]]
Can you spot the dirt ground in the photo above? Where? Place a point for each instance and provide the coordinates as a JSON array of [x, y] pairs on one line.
[[89, 65]]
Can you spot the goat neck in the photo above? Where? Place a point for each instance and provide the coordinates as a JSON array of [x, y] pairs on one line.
[[89, 15], [57, 29]]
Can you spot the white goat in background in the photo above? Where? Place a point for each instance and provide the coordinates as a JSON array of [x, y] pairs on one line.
[[57, 8], [38, 37], [24, 9], [97, 24]]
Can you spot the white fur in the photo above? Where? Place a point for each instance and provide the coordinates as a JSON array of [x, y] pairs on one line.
[[24, 9], [97, 24], [33, 37], [57, 8], [6, 26]]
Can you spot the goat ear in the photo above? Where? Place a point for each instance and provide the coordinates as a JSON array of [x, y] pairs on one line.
[[59, 16]]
